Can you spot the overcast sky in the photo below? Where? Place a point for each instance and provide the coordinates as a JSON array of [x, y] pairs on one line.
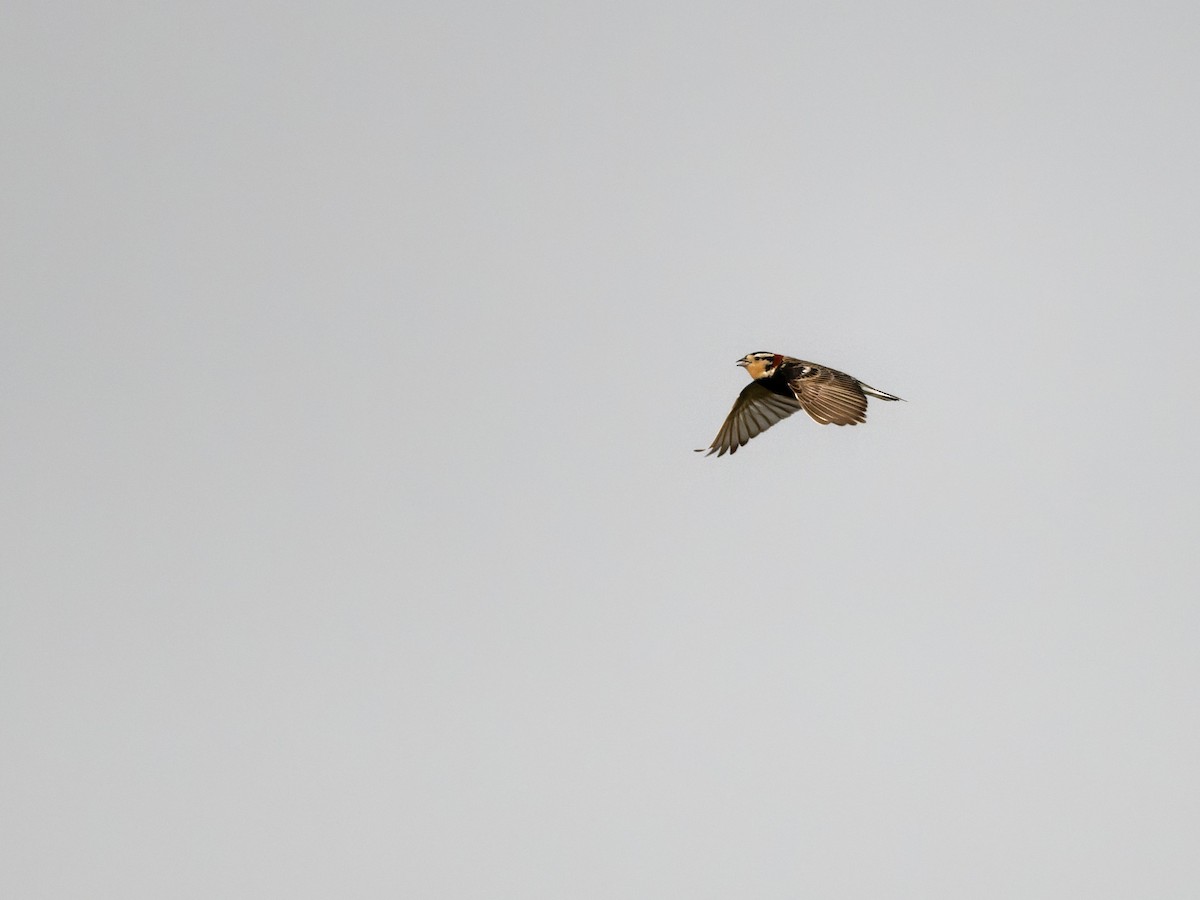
[[351, 363]]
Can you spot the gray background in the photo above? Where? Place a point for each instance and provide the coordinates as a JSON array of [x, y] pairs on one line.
[[353, 357]]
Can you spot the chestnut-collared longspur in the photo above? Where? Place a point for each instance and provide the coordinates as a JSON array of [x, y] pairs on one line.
[[781, 386]]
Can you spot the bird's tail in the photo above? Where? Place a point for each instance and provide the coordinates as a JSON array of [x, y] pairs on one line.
[[875, 392]]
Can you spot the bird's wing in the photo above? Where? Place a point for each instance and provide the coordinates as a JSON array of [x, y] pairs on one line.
[[757, 409], [829, 396]]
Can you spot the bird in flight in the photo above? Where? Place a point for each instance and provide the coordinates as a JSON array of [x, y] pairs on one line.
[[782, 385]]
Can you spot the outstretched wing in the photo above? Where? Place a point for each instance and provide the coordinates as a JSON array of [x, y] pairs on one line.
[[829, 396], [757, 409]]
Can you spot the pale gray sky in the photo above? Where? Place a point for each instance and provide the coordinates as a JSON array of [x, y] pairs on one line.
[[353, 543]]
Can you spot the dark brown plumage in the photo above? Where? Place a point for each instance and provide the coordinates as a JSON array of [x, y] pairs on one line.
[[781, 386]]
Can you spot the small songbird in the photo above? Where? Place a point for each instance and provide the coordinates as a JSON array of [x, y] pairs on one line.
[[781, 386]]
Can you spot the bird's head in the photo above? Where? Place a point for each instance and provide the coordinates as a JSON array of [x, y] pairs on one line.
[[760, 365]]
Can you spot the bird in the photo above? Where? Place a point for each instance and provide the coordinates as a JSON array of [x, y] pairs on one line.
[[782, 385]]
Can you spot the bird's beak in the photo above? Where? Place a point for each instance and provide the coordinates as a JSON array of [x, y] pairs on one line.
[[741, 362]]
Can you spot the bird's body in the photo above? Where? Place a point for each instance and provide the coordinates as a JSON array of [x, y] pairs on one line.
[[781, 386]]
